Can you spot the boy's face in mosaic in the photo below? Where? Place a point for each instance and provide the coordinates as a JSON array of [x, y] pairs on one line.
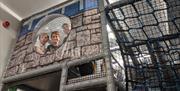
[[55, 38]]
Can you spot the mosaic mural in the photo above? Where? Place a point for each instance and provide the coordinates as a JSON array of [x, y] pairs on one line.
[[57, 37]]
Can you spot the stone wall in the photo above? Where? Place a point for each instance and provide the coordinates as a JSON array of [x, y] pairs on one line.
[[84, 40]]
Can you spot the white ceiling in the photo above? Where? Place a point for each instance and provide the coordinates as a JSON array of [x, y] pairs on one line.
[[21, 9]]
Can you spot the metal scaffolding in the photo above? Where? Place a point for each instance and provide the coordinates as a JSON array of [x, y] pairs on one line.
[[148, 34]]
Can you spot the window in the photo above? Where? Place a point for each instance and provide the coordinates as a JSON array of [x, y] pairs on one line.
[[72, 9], [89, 4]]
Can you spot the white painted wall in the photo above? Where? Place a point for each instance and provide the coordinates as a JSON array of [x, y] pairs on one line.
[[7, 39], [24, 8]]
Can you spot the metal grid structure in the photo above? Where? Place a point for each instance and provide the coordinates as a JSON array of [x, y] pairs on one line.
[[93, 70], [148, 34]]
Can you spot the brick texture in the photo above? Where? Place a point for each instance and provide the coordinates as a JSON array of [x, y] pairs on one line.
[[76, 21], [96, 38], [12, 71], [47, 59], [29, 38], [90, 50], [84, 40]]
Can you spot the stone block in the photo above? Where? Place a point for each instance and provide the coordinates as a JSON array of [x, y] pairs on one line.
[[21, 38], [94, 31], [76, 21], [79, 28], [32, 57], [24, 47], [12, 63], [96, 21], [30, 48], [47, 59], [96, 17], [20, 57], [29, 38], [90, 50], [87, 20], [83, 38], [60, 52], [89, 26], [76, 53], [94, 26], [91, 12], [98, 30], [19, 44], [96, 38], [15, 52], [85, 27], [32, 64], [72, 35], [29, 64], [82, 28], [12, 71], [58, 58], [71, 45], [100, 48], [67, 54], [22, 68]]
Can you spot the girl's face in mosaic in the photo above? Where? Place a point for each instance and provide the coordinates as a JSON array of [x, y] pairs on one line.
[[66, 28], [44, 39]]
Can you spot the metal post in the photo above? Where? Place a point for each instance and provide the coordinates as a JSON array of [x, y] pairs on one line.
[[33, 73], [1, 86], [106, 50], [63, 78], [51, 68], [86, 84]]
